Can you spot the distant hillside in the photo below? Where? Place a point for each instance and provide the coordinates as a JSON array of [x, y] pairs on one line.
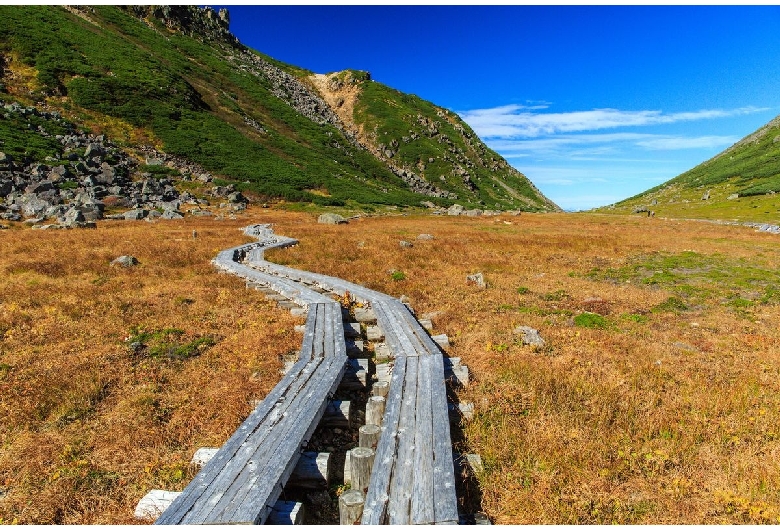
[[740, 183], [175, 80]]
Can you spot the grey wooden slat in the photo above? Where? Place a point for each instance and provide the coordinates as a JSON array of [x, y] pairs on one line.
[[308, 335], [409, 342], [261, 413], [402, 482], [224, 461], [422, 511], [375, 508], [420, 332], [445, 501], [332, 311], [266, 430], [384, 320], [303, 433], [318, 348], [225, 483], [300, 428], [263, 463]]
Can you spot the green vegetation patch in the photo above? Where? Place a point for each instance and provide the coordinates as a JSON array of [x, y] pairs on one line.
[[168, 343], [20, 136], [591, 320], [438, 146], [695, 278], [397, 276]]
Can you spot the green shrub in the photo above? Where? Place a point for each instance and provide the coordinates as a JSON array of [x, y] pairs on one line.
[[671, 305], [167, 344], [397, 276], [591, 320]]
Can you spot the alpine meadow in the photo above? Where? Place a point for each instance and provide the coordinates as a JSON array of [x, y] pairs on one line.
[[623, 363]]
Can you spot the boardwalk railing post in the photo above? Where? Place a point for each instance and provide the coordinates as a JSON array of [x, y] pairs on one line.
[[381, 388], [375, 409], [362, 460], [351, 507], [369, 436]]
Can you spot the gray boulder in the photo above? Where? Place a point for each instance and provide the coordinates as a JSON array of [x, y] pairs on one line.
[[472, 213], [405, 244], [529, 336], [425, 237], [32, 206], [6, 186], [172, 214], [236, 197], [93, 150], [125, 261], [73, 216], [331, 219], [477, 279], [455, 209], [136, 214]]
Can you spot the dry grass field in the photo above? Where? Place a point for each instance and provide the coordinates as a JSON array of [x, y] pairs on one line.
[[656, 398]]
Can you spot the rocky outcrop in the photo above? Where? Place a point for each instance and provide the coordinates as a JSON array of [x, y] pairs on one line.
[[90, 173], [287, 88], [199, 23]]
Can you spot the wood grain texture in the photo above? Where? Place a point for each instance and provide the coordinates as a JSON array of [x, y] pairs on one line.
[[412, 477]]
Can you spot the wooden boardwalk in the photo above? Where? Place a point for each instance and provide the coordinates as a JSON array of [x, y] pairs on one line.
[[412, 479]]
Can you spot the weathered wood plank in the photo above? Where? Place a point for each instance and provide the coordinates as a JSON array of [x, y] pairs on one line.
[[445, 502], [422, 511], [375, 508], [267, 409], [229, 478], [399, 505], [263, 483], [385, 319]]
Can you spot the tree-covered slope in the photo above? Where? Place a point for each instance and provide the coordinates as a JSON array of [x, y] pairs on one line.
[[740, 183], [174, 77]]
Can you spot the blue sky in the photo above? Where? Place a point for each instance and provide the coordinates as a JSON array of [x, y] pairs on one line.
[[593, 103]]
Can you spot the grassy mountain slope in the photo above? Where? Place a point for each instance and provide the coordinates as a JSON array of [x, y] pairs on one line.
[[429, 146], [138, 74], [740, 184]]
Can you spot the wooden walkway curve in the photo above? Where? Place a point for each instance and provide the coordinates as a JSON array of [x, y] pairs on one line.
[[412, 480]]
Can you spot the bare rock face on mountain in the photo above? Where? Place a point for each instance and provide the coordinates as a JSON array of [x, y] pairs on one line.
[[200, 23]]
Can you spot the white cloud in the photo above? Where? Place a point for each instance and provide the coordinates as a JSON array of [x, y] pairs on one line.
[[578, 146], [518, 121], [678, 142]]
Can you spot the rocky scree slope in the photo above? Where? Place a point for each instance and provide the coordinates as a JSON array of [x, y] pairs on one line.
[[429, 147], [83, 174], [177, 76]]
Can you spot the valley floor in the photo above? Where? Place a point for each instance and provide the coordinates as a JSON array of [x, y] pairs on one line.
[[656, 398]]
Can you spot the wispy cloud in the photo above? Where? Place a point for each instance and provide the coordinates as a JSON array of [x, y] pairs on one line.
[[520, 121], [594, 145], [588, 157], [678, 142]]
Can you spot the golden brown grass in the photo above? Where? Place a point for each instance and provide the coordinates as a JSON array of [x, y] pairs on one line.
[[662, 416], [88, 426]]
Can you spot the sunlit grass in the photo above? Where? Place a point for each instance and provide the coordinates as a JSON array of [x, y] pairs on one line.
[[648, 404]]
